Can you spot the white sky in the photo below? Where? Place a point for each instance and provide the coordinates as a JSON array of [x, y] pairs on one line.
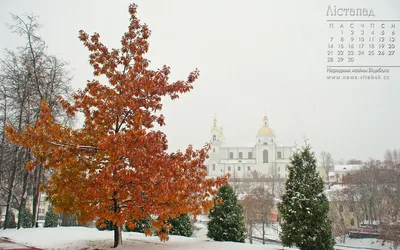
[[253, 56]]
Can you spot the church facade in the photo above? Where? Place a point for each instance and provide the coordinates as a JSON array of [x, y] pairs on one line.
[[265, 157]]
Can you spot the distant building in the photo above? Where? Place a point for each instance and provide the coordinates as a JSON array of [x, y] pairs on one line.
[[266, 156], [339, 171]]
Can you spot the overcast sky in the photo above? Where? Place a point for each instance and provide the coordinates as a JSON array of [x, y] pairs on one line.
[[253, 56]]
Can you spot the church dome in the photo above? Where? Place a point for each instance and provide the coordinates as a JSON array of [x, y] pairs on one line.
[[265, 130]]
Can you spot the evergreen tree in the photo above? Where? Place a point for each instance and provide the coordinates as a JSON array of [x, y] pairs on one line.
[[305, 208], [51, 219], [26, 218], [226, 218], [10, 221], [181, 225]]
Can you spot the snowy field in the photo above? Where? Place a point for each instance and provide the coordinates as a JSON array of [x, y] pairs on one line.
[[91, 238]]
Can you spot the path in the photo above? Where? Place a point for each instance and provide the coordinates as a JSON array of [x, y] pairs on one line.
[[6, 244]]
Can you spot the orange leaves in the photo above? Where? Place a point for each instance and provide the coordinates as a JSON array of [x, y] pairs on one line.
[[30, 165], [131, 225], [148, 232]]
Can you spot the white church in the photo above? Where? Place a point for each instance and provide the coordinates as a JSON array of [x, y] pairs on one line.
[[266, 156]]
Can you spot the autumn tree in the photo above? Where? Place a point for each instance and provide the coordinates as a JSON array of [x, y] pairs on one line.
[[116, 167]]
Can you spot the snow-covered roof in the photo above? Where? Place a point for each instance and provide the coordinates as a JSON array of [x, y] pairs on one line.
[[232, 161], [347, 168]]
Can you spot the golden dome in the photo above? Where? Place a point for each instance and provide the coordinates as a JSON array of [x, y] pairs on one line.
[[265, 131]]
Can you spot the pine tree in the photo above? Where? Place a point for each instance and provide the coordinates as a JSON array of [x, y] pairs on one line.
[[10, 221], [305, 208], [26, 218], [51, 219], [181, 226], [226, 218]]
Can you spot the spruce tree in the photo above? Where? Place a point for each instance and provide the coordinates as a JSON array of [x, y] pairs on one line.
[[10, 221], [26, 218], [305, 208], [51, 219], [181, 226], [226, 218]]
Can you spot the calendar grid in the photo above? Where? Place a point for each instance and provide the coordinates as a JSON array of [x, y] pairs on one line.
[[362, 48]]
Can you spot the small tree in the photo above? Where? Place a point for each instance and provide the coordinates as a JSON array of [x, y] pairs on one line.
[[51, 219], [226, 218], [26, 218], [10, 221], [181, 225], [305, 208]]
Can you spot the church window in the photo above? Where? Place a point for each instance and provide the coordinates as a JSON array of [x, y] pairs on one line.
[[214, 137], [213, 166], [279, 155], [265, 156], [229, 168], [231, 155], [250, 155], [248, 168], [352, 222], [279, 169], [265, 143], [213, 150], [279, 176], [240, 155], [341, 208], [238, 168]]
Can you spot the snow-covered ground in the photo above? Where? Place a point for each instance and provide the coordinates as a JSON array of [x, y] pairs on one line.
[[91, 238]]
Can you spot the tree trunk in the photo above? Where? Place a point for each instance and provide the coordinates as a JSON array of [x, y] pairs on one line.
[[36, 195], [117, 229], [251, 233], [117, 236], [263, 232], [11, 188], [23, 199]]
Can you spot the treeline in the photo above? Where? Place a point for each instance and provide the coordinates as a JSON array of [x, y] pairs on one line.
[[28, 74]]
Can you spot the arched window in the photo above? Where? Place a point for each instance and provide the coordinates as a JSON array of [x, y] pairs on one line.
[[238, 168], [240, 155], [265, 156], [229, 168], [279, 155], [231, 155], [248, 168], [213, 150], [214, 137], [250, 155]]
